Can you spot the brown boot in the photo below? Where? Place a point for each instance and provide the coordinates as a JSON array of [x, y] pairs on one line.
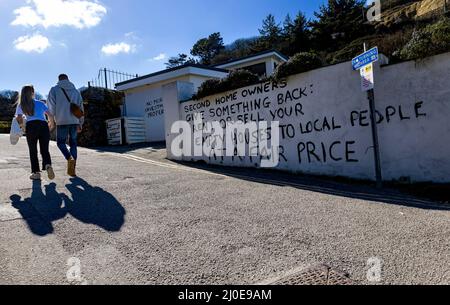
[[50, 172], [71, 165]]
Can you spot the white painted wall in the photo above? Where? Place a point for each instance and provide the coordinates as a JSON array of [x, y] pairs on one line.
[[175, 91], [147, 102], [415, 142]]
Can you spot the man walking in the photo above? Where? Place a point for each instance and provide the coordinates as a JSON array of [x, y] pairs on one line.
[[68, 125]]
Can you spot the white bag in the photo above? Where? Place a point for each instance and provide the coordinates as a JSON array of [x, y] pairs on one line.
[[16, 132]]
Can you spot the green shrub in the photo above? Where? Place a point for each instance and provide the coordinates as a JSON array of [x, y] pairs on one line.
[[299, 63], [235, 80], [239, 79], [440, 34], [207, 88], [418, 47], [431, 40]]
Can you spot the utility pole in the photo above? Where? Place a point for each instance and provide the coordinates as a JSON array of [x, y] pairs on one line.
[[376, 145]]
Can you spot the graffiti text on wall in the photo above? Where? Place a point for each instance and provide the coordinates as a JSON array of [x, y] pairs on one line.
[[154, 108], [309, 131]]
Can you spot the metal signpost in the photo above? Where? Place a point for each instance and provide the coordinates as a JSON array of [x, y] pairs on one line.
[[364, 63]]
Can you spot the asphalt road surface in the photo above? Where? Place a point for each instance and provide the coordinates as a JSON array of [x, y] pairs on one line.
[[135, 218]]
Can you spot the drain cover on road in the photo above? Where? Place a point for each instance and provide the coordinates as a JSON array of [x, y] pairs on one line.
[[320, 275]]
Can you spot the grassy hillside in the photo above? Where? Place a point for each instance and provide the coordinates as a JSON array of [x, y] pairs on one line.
[[403, 23], [406, 25], [408, 30]]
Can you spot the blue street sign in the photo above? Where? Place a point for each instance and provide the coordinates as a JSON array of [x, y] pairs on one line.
[[365, 59]]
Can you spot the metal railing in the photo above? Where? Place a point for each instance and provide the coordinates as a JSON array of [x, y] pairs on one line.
[[108, 78]]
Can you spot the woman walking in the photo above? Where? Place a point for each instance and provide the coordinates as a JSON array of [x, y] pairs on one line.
[[37, 130]]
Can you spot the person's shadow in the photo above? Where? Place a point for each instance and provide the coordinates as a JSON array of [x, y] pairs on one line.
[[90, 205], [93, 205], [41, 209]]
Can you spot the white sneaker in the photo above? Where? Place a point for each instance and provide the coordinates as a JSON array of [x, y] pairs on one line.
[[35, 176], [50, 172]]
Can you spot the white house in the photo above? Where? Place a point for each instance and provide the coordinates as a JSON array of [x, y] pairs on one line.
[[264, 63], [143, 95]]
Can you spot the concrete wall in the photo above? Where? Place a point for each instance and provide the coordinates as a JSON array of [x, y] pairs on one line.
[[413, 111], [148, 104]]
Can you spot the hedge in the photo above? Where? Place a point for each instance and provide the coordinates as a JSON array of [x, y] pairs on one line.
[[235, 80], [431, 40], [299, 63]]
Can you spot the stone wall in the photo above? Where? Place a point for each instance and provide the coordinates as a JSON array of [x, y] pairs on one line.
[[100, 105], [7, 111]]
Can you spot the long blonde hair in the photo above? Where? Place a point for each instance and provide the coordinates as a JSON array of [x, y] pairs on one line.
[[26, 100]]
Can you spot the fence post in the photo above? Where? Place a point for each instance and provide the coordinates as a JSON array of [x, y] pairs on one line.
[[106, 80]]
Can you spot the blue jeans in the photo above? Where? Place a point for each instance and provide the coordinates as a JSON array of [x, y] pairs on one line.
[[62, 133]]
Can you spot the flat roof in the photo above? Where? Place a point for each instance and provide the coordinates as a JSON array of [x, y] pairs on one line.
[[194, 69], [253, 57], [171, 70]]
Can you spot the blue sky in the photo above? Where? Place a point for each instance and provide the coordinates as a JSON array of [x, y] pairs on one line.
[[40, 39]]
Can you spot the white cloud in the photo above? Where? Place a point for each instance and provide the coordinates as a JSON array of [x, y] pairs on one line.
[[117, 48], [55, 13], [36, 43], [161, 56]]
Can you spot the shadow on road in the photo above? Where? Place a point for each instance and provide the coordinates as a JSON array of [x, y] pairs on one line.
[[90, 205], [41, 209], [93, 205], [342, 187]]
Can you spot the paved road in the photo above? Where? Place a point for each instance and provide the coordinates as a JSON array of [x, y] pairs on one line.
[[135, 218]]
